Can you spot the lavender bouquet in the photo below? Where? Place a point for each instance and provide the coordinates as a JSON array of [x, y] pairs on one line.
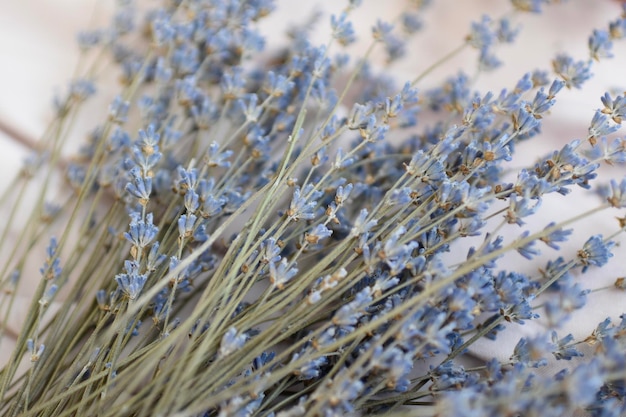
[[297, 233]]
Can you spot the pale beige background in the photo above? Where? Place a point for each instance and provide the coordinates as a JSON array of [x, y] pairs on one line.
[[38, 54]]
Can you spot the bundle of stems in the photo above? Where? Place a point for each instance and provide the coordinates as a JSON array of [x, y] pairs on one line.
[[265, 234]]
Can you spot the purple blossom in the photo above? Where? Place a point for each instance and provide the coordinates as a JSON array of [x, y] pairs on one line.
[[595, 252], [318, 233], [560, 307], [271, 251], [348, 315], [186, 223], [131, 283], [216, 157], [617, 195], [599, 127], [231, 342], [141, 232], [558, 235], [482, 36], [343, 31], [139, 187], [521, 208], [565, 349], [533, 6], [411, 23], [51, 268], [573, 73], [303, 203], [281, 274], [532, 352], [311, 369], [249, 107], [361, 226], [600, 45]]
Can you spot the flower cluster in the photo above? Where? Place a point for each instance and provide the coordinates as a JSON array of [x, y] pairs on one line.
[[252, 242]]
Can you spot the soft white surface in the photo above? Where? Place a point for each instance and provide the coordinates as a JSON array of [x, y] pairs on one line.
[[39, 54]]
